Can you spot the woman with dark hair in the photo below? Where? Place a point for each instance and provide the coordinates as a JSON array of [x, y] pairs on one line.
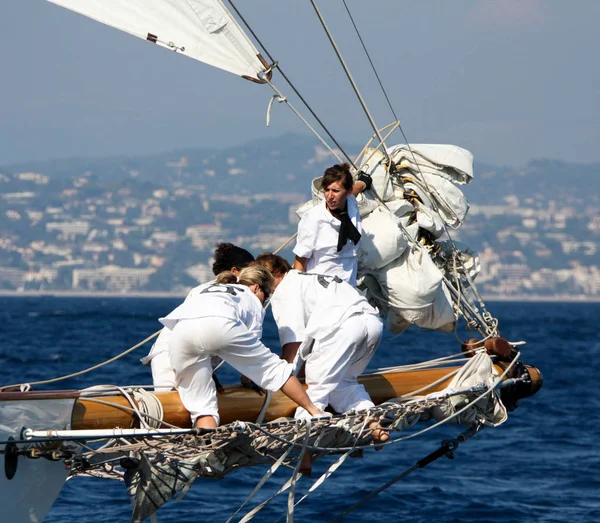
[[225, 319], [228, 257], [328, 235]]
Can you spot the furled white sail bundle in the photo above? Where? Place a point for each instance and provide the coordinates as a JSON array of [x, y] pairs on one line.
[[201, 29]]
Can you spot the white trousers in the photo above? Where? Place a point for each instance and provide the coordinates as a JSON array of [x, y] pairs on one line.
[[336, 361], [194, 341]]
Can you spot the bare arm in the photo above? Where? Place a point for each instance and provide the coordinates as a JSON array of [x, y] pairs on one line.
[[300, 264], [358, 187], [295, 391], [289, 351]]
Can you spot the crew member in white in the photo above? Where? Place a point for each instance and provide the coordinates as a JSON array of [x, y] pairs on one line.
[[225, 319], [330, 316], [228, 257], [329, 234]]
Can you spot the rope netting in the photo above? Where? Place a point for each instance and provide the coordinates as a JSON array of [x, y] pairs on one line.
[[156, 469]]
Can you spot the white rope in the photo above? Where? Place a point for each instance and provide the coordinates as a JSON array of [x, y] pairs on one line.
[[152, 412], [263, 480], [327, 474], [452, 358], [296, 476], [132, 410], [261, 415], [280, 99], [258, 508], [89, 369]]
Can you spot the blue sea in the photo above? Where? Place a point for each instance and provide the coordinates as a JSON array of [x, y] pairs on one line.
[[542, 465]]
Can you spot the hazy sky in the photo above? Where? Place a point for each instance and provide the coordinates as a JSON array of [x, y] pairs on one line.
[[511, 80]]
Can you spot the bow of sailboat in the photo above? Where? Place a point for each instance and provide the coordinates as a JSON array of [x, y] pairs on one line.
[[147, 435]]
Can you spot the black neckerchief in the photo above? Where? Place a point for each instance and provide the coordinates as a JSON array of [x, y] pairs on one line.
[[347, 229]]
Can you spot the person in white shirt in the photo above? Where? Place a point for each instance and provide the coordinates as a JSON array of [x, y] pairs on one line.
[[329, 233], [227, 257], [326, 323], [225, 319]]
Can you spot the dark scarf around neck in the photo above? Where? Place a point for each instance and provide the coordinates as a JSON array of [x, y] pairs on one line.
[[347, 229]]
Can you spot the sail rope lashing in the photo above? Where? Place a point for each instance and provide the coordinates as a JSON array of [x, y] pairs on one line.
[[447, 449], [289, 82], [150, 407], [89, 369], [349, 76], [488, 320], [485, 320], [462, 304]]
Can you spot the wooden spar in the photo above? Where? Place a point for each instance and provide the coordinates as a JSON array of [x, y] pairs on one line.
[[238, 403]]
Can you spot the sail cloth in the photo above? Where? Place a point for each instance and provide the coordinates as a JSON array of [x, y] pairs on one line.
[[201, 29], [489, 410], [448, 161], [419, 196]]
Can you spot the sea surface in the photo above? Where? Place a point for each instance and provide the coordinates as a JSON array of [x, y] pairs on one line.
[[542, 465]]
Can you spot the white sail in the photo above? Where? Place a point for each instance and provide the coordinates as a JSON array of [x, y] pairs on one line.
[[201, 29]]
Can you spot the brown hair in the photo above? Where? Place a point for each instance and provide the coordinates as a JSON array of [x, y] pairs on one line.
[[338, 173], [276, 265]]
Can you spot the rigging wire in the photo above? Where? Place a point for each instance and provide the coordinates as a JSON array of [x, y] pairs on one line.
[[289, 82], [434, 205], [461, 301], [89, 369], [447, 449], [370, 61], [349, 75]]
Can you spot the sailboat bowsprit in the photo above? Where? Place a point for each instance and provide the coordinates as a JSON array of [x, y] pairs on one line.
[[409, 267]]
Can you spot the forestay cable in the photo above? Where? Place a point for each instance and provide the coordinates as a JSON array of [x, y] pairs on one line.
[[349, 75], [370, 61]]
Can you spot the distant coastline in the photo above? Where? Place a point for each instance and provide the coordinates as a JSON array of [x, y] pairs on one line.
[[169, 294]]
